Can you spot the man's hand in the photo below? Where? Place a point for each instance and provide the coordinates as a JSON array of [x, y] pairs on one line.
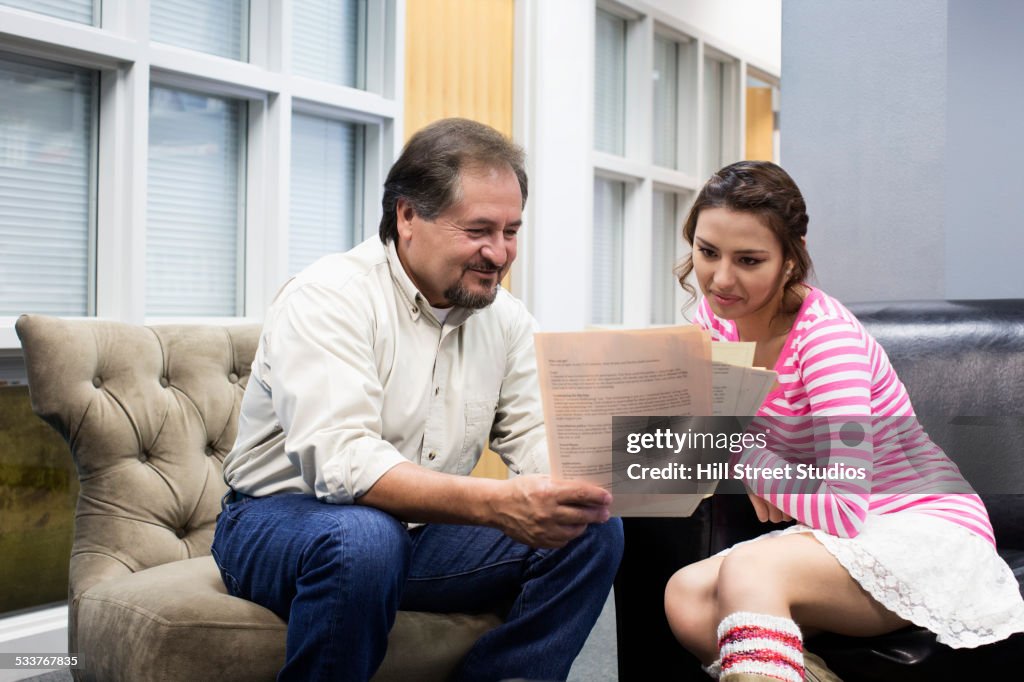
[[540, 512], [766, 511]]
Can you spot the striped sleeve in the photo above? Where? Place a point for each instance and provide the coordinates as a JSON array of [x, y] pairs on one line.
[[829, 452]]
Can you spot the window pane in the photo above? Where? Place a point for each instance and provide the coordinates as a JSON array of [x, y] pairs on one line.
[[219, 27], [666, 102], [610, 84], [762, 119], [193, 241], [664, 248], [328, 41], [606, 270], [81, 11], [47, 176], [714, 73], [325, 166]]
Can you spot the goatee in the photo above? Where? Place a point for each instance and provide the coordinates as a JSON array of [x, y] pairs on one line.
[[461, 296]]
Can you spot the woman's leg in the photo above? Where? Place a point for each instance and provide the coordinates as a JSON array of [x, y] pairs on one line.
[[794, 576], [765, 585]]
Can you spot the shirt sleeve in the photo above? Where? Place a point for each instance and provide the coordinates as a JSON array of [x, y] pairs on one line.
[[518, 434], [834, 444], [326, 392]]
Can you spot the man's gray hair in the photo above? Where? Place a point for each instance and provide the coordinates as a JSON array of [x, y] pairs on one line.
[[427, 173]]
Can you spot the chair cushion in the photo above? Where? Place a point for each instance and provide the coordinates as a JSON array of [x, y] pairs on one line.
[[176, 621]]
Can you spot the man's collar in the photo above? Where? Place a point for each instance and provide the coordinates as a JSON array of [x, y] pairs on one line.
[[415, 302]]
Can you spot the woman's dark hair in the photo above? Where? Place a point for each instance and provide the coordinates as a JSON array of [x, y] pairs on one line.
[[428, 171], [767, 191]]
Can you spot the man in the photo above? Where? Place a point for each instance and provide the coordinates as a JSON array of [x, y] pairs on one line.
[[379, 375]]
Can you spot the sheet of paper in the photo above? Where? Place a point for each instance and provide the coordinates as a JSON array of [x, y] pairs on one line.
[[757, 384], [738, 353], [726, 386], [586, 378]]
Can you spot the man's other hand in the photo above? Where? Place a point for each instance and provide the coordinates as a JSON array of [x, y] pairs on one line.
[[541, 512]]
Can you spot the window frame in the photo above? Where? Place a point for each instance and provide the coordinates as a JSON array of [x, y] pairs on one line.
[[128, 63]]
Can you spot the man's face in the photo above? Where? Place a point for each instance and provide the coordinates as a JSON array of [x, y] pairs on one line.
[[460, 257]]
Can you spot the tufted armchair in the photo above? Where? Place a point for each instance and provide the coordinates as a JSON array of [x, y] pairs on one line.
[[149, 414]]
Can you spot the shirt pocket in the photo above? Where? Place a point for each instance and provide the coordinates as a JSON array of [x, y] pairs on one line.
[[479, 418]]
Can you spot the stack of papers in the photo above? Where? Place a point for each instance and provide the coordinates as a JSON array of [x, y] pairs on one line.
[[586, 378]]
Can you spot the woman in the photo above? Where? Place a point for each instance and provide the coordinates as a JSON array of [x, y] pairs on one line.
[[887, 546]]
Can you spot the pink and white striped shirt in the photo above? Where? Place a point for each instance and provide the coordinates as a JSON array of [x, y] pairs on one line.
[[834, 375]]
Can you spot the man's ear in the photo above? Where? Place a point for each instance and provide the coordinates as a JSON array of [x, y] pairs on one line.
[[404, 215]]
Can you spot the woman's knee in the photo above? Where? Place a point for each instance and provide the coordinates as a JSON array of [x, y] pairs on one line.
[[755, 576], [690, 605]]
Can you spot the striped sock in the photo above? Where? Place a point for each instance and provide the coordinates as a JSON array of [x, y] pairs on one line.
[[759, 644]]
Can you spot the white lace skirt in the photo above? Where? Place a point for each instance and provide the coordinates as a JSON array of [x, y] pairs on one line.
[[931, 572]]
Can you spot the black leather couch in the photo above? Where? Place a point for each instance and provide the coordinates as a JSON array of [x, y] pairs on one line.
[[963, 365]]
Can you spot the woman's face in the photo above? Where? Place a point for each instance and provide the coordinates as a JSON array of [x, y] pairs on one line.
[[738, 264]]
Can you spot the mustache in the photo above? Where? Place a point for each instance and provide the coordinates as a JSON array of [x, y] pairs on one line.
[[483, 265]]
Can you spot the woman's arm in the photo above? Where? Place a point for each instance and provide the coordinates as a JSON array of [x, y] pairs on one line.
[[833, 365]]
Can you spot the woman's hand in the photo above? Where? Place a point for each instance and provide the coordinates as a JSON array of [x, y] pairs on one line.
[[766, 511]]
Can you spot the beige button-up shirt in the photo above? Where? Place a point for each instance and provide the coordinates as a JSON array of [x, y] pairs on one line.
[[354, 375]]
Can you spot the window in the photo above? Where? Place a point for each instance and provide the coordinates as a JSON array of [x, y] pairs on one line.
[[610, 84], [666, 102], [195, 208], [606, 275], [218, 27], [762, 119], [666, 250], [666, 115], [326, 184], [720, 119], [47, 176], [81, 11], [327, 41]]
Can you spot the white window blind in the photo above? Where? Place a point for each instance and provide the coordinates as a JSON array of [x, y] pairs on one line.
[[664, 248], [326, 163], [47, 178], [666, 102], [81, 11], [714, 91], [328, 41], [193, 237], [606, 266], [219, 27], [610, 84]]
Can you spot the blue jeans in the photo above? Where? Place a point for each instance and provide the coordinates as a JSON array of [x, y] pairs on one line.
[[338, 573]]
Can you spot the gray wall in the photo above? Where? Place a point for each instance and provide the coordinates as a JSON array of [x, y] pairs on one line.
[[897, 120], [985, 150]]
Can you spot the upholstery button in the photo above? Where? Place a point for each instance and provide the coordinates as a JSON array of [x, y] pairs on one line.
[[97, 382], [233, 378], [209, 450], [164, 382], [180, 532], [143, 457]]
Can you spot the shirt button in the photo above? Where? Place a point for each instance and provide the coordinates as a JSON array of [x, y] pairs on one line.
[[415, 310], [432, 456], [437, 389]]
